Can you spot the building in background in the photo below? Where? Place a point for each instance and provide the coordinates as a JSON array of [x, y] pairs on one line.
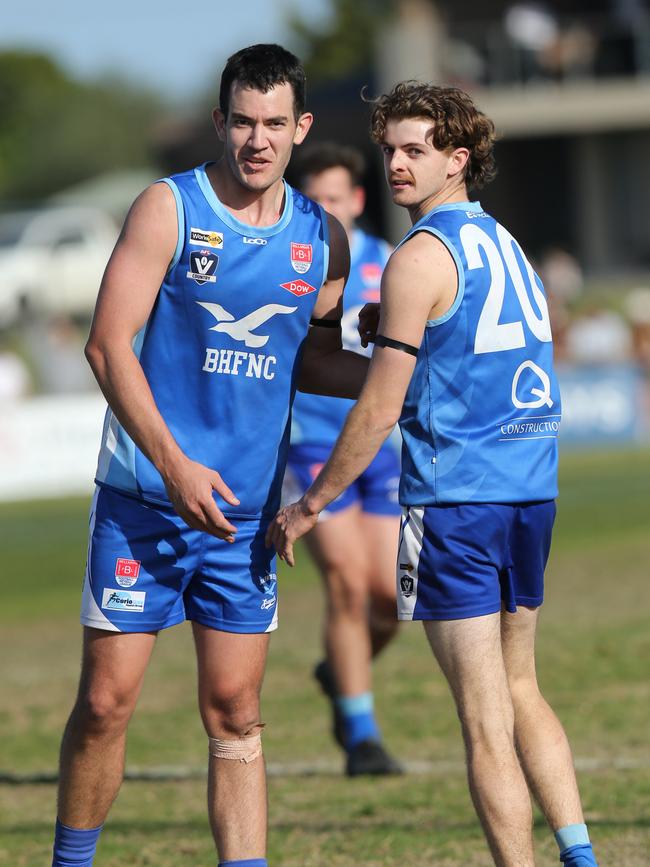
[[568, 86]]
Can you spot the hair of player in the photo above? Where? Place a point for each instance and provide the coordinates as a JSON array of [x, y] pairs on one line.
[[262, 67], [456, 123], [313, 159]]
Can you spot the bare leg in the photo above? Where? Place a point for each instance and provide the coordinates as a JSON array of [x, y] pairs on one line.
[[356, 555], [381, 537], [541, 742], [231, 669], [94, 741], [469, 653], [338, 548]]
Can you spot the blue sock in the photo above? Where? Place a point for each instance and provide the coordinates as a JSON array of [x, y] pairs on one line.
[[575, 846], [74, 847], [249, 862], [581, 855], [358, 718], [572, 835]]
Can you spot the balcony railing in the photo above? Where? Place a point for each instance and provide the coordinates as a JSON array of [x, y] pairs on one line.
[[528, 48]]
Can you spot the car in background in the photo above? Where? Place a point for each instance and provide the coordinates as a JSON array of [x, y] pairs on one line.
[[52, 261]]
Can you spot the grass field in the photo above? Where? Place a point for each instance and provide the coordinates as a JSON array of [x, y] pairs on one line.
[[594, 660]]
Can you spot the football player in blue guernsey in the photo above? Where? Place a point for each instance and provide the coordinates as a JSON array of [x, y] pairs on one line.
[[463, 358], [200, 336], [355, 543]]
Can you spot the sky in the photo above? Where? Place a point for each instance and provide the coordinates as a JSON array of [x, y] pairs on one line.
[[150, 42]]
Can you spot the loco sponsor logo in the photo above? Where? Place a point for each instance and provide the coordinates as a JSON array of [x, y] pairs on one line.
[[206, 238], [298, 287], [259, 242], [301, 256], [123, 600], [203, 264], [126, 571]]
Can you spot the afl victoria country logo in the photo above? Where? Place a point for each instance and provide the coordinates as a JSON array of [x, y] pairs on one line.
[[203, 264]]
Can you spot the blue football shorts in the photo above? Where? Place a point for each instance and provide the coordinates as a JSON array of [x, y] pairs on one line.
[[469, 560], [376, 489], [147, 570]]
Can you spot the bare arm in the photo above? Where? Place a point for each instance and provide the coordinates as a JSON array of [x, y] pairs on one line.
[[127, 294], [419, 280], [327, 368]]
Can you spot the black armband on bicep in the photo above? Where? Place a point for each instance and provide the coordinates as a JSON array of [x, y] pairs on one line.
[[325, 323], [380, 340]]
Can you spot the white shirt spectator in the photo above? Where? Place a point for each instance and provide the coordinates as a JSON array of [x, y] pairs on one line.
[[599, 337], [15, 381]]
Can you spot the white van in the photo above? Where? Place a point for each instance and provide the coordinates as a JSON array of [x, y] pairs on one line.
[[52, 260]]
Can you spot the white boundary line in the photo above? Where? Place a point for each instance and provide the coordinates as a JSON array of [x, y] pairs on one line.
[[313, 769]]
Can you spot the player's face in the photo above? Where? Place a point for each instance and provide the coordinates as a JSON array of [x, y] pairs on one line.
[[420, 176], [259, 133], [334, 190]]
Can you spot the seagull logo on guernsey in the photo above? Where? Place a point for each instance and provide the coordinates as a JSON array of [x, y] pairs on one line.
[[241, 329]]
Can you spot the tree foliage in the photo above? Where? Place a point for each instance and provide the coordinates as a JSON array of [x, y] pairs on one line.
[[55, 131], [346, 46]]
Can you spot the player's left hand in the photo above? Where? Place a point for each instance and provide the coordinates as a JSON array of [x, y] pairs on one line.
[[289, 524], [368, 323]]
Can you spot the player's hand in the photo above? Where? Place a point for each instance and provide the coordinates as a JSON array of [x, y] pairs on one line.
[[368, 323], [190, 487], [289, 524]]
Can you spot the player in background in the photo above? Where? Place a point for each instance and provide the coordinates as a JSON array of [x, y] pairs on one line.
[[219, 283], [354, 544], [463, 357]]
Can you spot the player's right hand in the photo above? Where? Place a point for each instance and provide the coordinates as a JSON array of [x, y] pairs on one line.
[[190, 488], [289, 524], [368, 323]]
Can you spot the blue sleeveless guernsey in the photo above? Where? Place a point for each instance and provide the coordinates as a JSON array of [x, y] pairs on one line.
[[221, 348], [318, 418], [482, 411]]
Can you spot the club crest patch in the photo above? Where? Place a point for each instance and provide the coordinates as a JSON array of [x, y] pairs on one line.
[[126, 571], [301, 256], [203, 264]]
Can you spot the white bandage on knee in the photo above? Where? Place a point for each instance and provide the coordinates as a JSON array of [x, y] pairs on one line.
[[240, 749]]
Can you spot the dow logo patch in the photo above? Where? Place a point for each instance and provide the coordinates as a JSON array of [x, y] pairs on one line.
[[298, 287], [203, 264]]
